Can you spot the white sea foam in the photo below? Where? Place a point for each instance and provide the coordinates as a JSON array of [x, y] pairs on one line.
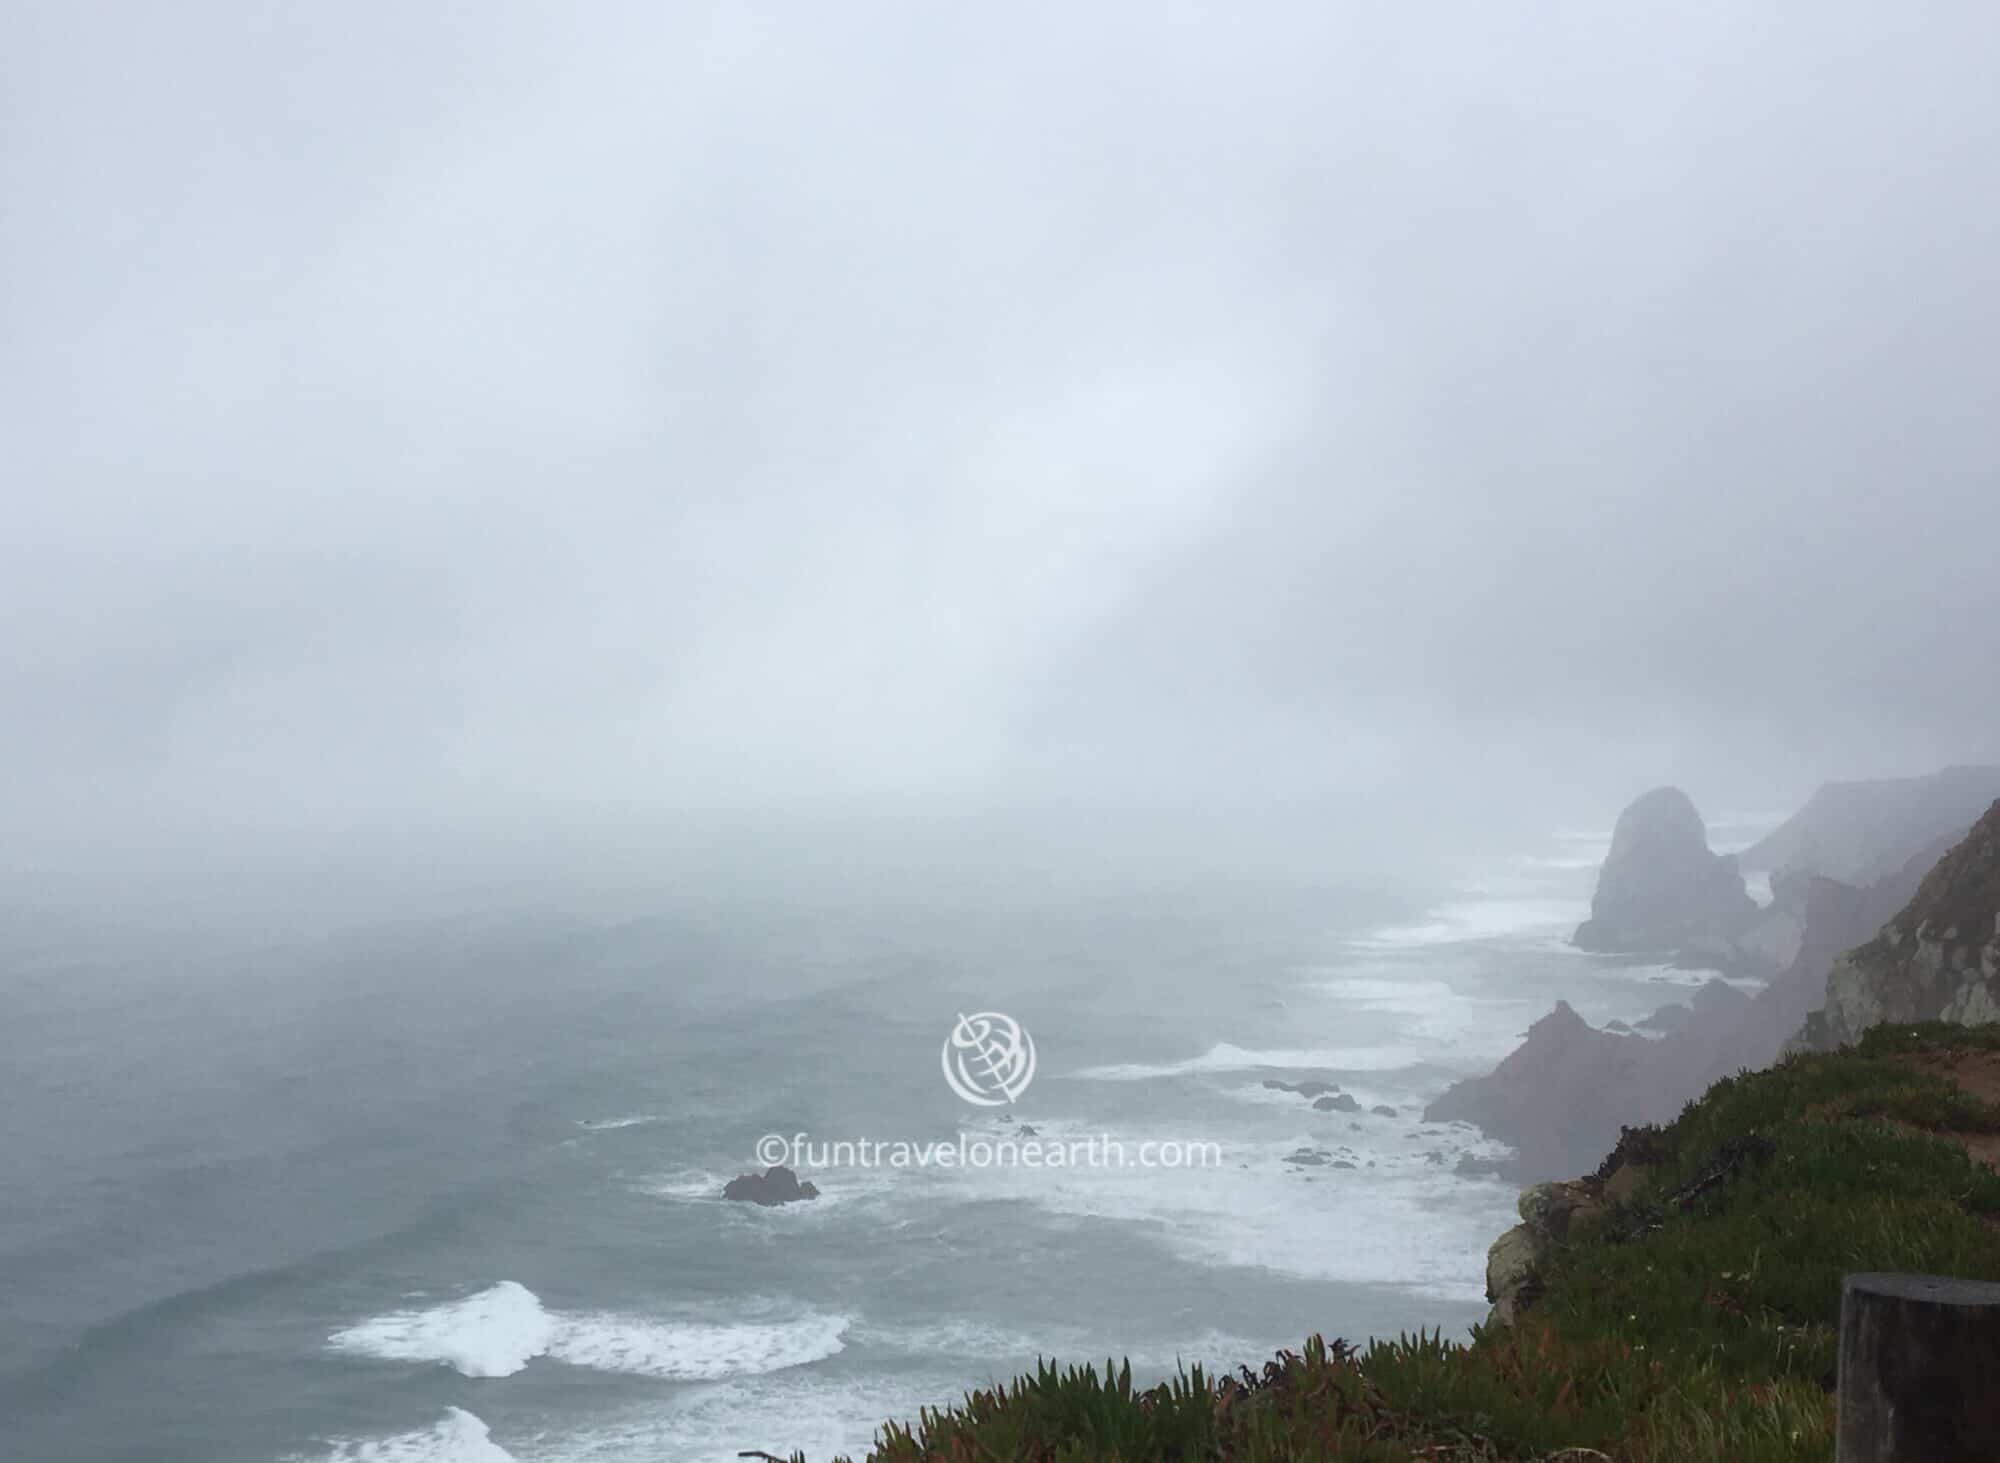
[[489, 1334], [693, 1351], [1224, 1057], [1429, 1010], [1563, 861], [1406, 1221], [857, 1186], [981, 1341], [823, 1416], [826, 1416], [457, 1437], [1461, 921], [497, 1331], [686, 1183], [606, 1125]]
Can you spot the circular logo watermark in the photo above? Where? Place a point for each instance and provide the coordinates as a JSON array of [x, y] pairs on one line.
[[989, 1059]]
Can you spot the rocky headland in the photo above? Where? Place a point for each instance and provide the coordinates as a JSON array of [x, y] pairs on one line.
[[1861, 832], [1563, 1096], [1938, 959]]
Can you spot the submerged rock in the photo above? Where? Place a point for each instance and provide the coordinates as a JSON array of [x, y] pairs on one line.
[[775, 1185], [1340, 1103]]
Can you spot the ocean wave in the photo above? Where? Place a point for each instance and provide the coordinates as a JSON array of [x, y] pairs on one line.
[[498, 1331], [1224, 1057], [982, 1342], [687, 1183], [1463, 921], [457, 1437], [1404, 1218], [824, 1416], [607, 1125]]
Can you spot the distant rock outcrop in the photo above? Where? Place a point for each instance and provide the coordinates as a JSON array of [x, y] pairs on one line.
[[1860, 832], [1562, 1096], [1937, 960], [1661, 887], [1558, 1095], [775, 1185]]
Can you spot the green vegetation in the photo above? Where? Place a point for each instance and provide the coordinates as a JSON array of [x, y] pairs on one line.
[[1695, 1321]]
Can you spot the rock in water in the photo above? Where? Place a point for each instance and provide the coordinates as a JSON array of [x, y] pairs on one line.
[[1561, 1097], [776, 1185], [1661, 888]]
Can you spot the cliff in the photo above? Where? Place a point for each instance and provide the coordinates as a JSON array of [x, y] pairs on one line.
[[1858, 832], [1561, 1097], [1938, 959]]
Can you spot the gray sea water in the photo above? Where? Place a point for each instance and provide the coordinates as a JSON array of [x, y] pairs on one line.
[[448, 1191]]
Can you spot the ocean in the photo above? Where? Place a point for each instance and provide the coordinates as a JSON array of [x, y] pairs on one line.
[[446, 1191]]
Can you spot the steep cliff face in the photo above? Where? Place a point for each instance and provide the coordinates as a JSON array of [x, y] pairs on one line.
[[1661, 887], [1858, 832], [1939, 959]]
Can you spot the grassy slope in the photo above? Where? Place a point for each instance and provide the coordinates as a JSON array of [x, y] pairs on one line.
[[1695, 1322]]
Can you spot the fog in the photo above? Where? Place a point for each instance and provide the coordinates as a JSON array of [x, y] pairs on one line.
[[436, 429]]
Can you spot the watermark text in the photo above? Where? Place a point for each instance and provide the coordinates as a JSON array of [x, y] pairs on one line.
[[800, 1150]]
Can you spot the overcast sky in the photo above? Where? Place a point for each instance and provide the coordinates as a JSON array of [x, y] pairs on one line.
[[477, 411]]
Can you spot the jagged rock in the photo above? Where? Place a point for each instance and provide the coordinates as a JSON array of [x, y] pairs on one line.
[[1512, 1276], [775, 1185], [1309, 1157], [1551, 1215], [1561, 1096], [1340, 1103], [1862, 832], [1383, 1110], [1774, 938], [1661, 888], [1675, 1017], [1938, 959]]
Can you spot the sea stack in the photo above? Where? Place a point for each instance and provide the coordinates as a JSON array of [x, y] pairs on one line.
[[1661, 887]]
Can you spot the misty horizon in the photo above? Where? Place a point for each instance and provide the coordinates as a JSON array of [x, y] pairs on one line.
[[425, 427], [606, 610]]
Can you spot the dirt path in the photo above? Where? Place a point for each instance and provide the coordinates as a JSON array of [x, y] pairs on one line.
[[1977, 1074]]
